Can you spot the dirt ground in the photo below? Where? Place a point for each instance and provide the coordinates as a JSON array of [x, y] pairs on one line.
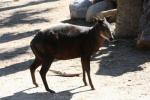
[[119, 70]]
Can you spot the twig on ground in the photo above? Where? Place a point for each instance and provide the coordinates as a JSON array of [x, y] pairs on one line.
[[63, 74]]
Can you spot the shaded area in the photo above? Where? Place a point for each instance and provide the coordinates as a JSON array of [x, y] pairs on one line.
[[123, 57], [14, 53], [15, 68], [64, 95], [13, 36], [80, 22], [11, 69], [28, 4], [23, 17]]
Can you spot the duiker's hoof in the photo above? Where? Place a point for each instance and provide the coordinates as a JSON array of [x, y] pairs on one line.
[[36, 85], [92, 88], [85, 84], [51, 91]]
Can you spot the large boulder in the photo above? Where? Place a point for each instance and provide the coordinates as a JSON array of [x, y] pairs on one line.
[[97, 8], [96, 1], [78, 8]]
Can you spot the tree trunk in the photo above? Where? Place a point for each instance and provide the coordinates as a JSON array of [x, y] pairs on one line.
[[145, 18], [128, 16]]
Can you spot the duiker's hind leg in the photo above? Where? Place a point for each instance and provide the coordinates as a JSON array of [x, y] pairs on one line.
[[83, 69], [33, 67], [45, 66], [86, 65]]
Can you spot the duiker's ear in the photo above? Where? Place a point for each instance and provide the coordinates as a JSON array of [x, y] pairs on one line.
[[37, 31], [95, 19], [101, 20], [104, 20]]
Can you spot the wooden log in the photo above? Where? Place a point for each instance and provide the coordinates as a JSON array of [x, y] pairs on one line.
[[16, 0], [111, 14]]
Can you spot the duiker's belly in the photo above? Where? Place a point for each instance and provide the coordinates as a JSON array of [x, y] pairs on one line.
[[68, 49], [67, 53]]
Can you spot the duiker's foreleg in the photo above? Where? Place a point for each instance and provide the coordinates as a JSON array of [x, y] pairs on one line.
[[86, 64], [33, 67], [45, 66]]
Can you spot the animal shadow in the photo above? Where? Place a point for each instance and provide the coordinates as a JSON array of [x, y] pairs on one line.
[[120, 57], [22, 95]]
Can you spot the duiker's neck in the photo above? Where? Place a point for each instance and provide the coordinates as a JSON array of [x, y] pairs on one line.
[[94, 30]]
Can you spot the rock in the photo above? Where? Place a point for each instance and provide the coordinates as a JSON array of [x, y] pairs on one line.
[[78, 8], [96, 1], [97, 8]]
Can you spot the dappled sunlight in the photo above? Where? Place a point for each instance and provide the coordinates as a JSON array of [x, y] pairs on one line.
[[23, 17], [13, 53], [18, 5], [63, 95], [9, 37], [12, 69]]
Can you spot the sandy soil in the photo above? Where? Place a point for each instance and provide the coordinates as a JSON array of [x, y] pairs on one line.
[[119, 70]]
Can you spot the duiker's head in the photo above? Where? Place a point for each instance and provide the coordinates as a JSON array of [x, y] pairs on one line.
[[102, 28]]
